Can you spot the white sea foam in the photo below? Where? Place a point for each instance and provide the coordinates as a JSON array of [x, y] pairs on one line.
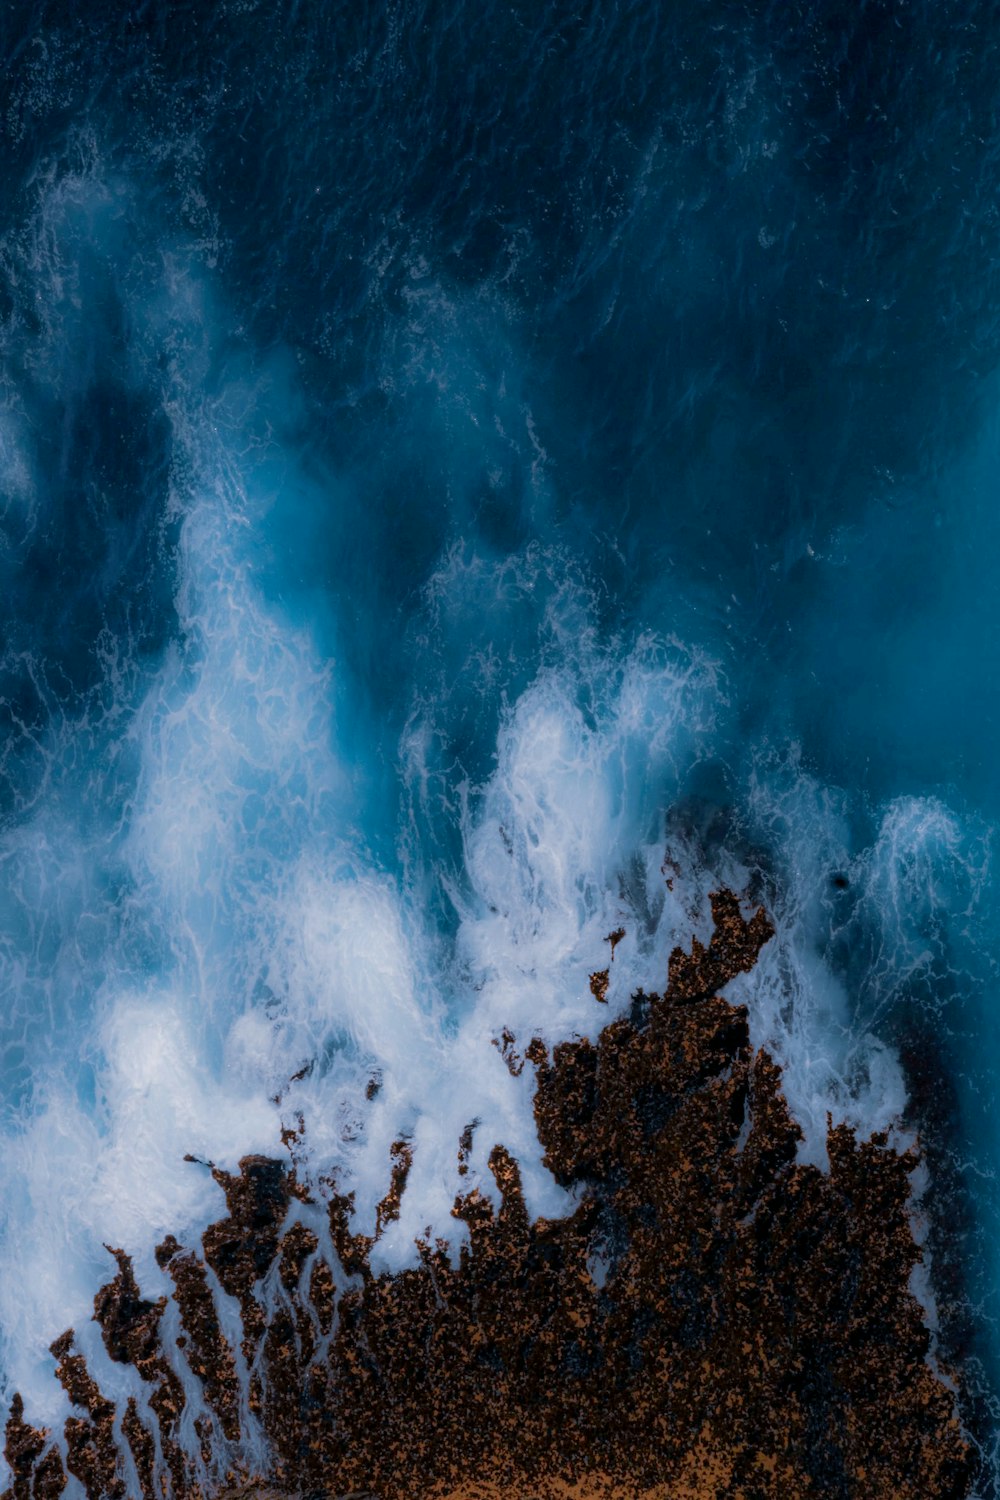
[[905, 895], [216, 935]]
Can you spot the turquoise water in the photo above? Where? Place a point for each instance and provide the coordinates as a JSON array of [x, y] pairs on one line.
[[453, 457]]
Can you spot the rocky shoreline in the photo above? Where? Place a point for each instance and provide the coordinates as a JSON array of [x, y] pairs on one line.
[[713, 1319]]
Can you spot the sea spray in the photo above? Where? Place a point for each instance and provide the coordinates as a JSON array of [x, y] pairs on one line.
[[471, 487], [252, 967]]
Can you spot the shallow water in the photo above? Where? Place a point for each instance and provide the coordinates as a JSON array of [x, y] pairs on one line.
[[453, 460]]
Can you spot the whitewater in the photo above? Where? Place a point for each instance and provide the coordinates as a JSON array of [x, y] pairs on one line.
[[398, 603]]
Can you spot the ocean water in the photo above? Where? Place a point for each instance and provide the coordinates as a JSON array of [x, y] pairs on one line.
[[471, 478]]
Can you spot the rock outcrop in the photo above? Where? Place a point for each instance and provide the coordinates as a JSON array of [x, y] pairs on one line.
[[714, 1319]]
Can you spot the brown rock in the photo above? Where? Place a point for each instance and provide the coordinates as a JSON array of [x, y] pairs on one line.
[[713, 1319]]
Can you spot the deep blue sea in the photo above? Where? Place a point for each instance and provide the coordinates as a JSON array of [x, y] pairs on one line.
[[473, 476]]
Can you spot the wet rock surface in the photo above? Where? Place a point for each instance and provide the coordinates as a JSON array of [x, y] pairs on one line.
[[713, 1319]]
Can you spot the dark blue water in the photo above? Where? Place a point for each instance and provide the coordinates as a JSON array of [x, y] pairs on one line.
[[450, 453]]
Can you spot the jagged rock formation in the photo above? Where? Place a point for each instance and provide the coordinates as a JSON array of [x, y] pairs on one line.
[[714, 1319]]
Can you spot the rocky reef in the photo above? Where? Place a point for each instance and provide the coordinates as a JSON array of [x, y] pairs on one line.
[[714, 1319]]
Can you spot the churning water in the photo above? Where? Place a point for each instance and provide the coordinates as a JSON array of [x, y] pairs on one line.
[[473, 477]]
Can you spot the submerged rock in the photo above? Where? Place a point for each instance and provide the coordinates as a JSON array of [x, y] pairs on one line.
[[714, 1318]]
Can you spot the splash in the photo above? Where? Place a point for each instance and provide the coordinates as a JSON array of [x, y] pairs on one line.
[[361, 725]]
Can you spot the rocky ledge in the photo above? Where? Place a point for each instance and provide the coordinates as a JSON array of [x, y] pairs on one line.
[[713, 1319]]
